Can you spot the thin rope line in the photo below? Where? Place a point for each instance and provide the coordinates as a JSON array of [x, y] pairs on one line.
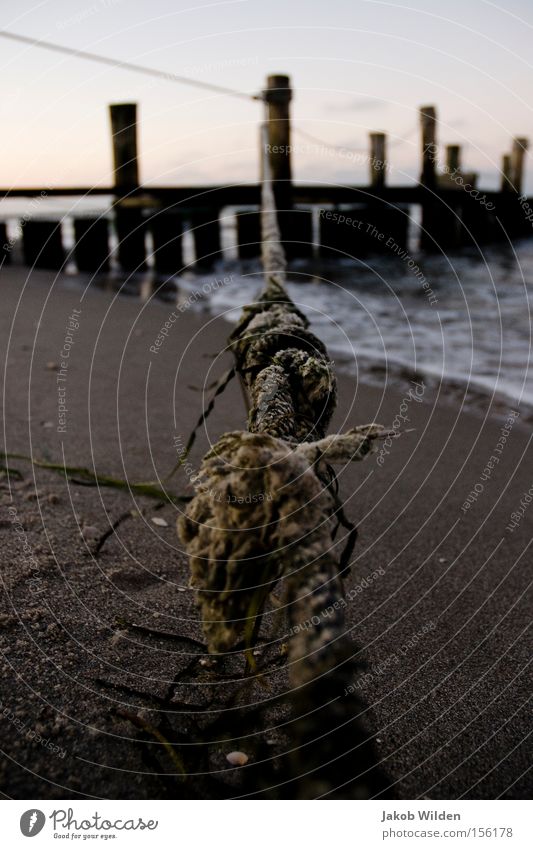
[[130, 66]]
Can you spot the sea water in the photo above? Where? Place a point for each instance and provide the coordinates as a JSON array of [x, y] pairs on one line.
[[374, 314]]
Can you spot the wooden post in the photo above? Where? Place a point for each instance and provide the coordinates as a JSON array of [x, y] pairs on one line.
[[42, 244], [167, 235], [377, 160], [383, 222], [129, 220], [124, 130], [520, 145], [428, 123], [453, 158], [278, 96], [207, 237], [5, 245], [248, 233], [300, 240], [506, 181]]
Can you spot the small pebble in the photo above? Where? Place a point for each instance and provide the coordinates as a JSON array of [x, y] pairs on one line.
[[52, 366], [89, 532], [237, 758], [161, 523]]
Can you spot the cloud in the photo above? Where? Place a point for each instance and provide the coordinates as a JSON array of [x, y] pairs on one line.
[[357, 104]]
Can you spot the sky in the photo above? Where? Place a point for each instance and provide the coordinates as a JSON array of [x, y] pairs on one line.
[[356, 66]]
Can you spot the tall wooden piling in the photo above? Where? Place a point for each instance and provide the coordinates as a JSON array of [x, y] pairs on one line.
[[129, 219], [428, 125], [42, 244], [506, 184], [167, 236], [512, 214], [278, 95], [520, 145], [207, 237], [124, 129], [433, 227], [378, 145], [248, 233], [453, 158], [507, 207], [5, 245], [384, 225]]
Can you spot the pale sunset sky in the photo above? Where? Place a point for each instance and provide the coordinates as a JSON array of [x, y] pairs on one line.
[[356, 66]]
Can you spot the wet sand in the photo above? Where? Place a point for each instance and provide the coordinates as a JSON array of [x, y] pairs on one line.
[[441, 624]]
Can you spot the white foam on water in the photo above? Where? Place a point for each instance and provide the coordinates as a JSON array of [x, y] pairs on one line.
[[478, 332]]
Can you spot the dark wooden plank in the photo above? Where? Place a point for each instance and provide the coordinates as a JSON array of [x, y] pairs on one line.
[[91, 249], [42, 244]]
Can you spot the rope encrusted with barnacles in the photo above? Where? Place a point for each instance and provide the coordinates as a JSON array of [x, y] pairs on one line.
[[261, 511], [265, 508]]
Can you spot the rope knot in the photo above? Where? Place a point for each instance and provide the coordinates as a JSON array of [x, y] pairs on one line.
[[261, 503]]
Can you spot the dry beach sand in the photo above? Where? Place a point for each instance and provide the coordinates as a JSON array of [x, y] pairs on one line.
[[102, 656]]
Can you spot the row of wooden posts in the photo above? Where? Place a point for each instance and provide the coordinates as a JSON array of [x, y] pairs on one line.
[[452, 213]]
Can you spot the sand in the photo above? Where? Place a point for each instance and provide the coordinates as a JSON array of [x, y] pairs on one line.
[[441, 621]]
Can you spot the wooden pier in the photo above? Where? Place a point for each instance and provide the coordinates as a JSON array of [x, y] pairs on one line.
[[149, 223]]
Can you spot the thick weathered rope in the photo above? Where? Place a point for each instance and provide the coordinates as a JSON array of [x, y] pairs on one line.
[[261, 511], [264, 509]]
